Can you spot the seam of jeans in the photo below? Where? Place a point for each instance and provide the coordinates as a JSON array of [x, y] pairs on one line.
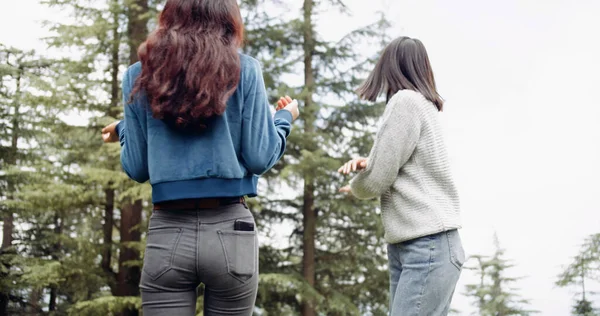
[[172, 219], [197, 248], [394, 252], [184, 221], [170, 263], [227, 220], [255, 275], [175, 247], [225, 253], [452, 248], [237, 232], [419, 303], [163, 230]]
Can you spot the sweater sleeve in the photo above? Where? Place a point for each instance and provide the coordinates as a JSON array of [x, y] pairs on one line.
[[394, 144], [263, 136], [134, 147]]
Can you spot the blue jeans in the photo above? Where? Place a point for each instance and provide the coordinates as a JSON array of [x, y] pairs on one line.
[[424, 273]]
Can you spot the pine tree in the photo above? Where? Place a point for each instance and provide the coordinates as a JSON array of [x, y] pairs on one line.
[[55, 202], [585, 266], [335, 262], [494, 295], [25, 121], [131, 214], [117, 26]]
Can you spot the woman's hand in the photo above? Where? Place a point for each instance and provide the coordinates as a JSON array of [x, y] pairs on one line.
[[346, 189], [286, 103], [109, 133], [353, 165]]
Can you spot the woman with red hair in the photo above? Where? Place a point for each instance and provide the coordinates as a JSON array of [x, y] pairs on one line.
[[198, 126]]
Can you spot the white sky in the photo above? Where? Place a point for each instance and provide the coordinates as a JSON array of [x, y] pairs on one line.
[[520, 78]]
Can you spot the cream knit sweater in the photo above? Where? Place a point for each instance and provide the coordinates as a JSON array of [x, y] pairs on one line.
[[408, 168]]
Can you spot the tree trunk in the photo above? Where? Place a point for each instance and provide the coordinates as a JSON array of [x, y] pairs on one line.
[[55, 256], [34, 302], [309, 114], [6, 243], [53, 295], [8, 218], [107, 229], [109, 206], [128, 278], [7, 230], [137, 27], [582, 280]]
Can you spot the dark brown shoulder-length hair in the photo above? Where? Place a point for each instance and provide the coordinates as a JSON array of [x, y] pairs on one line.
[[404, 64], [190, 63]]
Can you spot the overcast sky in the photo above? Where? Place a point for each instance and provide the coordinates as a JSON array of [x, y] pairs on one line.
[[521, 79]]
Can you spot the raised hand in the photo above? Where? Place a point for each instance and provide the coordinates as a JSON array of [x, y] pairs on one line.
[[109, 133], [286, 103], [353, 165], [346, 189]]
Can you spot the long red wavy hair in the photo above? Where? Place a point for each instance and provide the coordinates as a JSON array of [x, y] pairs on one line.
[[190, 63]]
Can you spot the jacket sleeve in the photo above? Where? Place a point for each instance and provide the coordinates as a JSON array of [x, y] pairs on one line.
[[132, 135], [263, 136]]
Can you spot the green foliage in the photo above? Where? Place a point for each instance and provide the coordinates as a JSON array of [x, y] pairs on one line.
[[495, 295], [585, 266], [350, 261], [106, 306], [583, 308], [55, 179], [28, 116]]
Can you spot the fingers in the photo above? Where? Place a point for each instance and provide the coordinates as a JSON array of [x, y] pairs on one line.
[[110, 128], [283, 102], [353, 165], [346, 189], [108, 138], [346, 168]]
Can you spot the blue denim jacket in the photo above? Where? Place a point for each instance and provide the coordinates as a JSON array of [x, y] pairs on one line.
[[224, 161]]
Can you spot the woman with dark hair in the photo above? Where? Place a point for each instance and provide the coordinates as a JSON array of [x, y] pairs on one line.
[[198, 126], [408, 169]]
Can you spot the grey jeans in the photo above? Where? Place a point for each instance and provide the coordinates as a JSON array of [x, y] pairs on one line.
[[423, 274], [186, 248]]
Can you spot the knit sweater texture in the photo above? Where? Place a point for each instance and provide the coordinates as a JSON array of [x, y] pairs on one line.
[[408, 169]]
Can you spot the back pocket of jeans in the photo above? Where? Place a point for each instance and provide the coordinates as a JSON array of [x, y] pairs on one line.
[[160, 251], [457, 253], [240, 248]]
